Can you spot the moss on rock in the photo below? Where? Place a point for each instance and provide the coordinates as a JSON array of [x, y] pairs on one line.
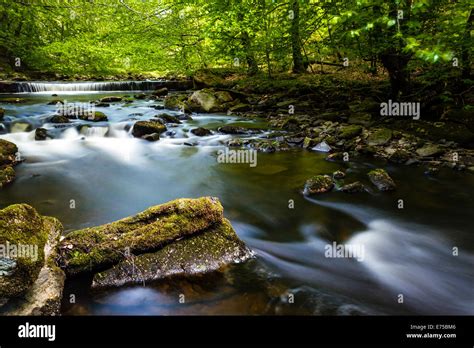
[[7, 176], [97, 248], [21, 226], [143, 128], [381, 180], [8, 153], [350, 131], [202, 253], [318, 184]]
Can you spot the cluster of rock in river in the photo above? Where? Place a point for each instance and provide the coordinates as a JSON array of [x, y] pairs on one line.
[[185, 237]]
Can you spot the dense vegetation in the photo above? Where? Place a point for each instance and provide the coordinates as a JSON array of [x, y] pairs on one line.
[[110, 37]]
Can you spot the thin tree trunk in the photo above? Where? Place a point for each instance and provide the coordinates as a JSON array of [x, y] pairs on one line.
[[465, 56], [298, 66]]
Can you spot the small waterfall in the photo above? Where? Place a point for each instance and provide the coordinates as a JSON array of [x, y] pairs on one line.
[[59, 87]]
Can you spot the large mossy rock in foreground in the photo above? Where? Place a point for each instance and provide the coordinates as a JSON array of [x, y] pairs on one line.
[[199, 254], [157, 229]]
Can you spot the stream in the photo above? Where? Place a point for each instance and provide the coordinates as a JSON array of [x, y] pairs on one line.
[[94, 173]]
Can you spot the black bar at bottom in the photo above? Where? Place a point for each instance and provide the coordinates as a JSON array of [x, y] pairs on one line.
[[141, 330]]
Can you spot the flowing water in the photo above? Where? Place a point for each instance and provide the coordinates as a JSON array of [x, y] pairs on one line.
[[94, 173]]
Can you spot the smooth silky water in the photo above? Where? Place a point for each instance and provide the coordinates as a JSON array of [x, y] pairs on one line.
[[105, 174]]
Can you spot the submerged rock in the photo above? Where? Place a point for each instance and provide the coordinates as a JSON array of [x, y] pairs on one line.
[[354, 187], [201, 132], [59, 119], [98, 248], [381, 180], [198, 254], [143, 128], [318, 184]]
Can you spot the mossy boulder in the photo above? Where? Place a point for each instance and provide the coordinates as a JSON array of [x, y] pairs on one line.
[[199, 254], [429, 150], [45, 295], [144, 128], [110, 99], [59, 119], [160, 92], [318, 184], [98, 248], [229, 129], [8, 153], [201, 132], [7, 176], [208, 100], [95, 116], [177, 102], [379, 137], [381, 179], [168, 118], [22, 230], [349, 132]]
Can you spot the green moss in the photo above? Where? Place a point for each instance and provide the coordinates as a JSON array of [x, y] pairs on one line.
[[7, 175], [142, 128], [380, 137], [349, 132], [205, 252], [20, 224], [8, 153], [103, 246], [318, 184], [97, 116]]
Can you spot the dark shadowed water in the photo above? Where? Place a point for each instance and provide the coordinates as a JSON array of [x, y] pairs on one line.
[[90, 176]]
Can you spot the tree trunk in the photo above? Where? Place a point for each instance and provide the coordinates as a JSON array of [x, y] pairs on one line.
[[466, 47], [252, 66], [298, 66]]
